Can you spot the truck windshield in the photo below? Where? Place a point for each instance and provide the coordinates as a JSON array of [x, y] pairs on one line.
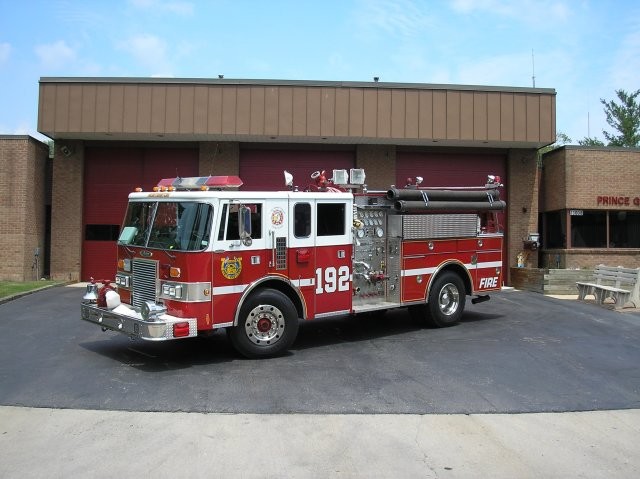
[[181, 226]]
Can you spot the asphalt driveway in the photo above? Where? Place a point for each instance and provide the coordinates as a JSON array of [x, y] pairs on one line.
[[519, 352]]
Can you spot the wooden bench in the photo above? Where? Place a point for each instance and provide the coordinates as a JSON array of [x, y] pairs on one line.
[[608, 284]]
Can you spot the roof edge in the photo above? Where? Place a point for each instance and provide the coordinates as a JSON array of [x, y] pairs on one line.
[[600, 148], [308, 83], [23, 137]]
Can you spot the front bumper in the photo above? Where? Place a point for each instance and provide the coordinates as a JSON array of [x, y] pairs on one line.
[[160, 329]]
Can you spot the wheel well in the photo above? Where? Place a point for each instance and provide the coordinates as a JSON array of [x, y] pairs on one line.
[[461, 271], [285, 289]]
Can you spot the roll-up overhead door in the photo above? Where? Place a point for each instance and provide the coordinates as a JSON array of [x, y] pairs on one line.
[[449, 169], [455, 169], [111, 173], [263, 169]]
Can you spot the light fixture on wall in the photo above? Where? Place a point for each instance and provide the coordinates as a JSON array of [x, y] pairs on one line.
[[67, 151]]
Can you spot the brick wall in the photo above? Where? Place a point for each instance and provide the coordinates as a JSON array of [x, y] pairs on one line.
[[554, 195], [605, 172], [66, 212], [219, 158], [528, 279], [379, 163], [523, 181], [23, 162], [588, 258]]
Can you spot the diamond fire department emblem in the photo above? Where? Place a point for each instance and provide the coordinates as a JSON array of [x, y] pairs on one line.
[[231, 268]]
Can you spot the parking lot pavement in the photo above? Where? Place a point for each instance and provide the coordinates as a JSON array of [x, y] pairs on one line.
[[352, 399], [80, 443], [520, 352]]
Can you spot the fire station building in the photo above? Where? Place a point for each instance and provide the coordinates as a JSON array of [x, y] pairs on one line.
[[115, 134], [590, 208]]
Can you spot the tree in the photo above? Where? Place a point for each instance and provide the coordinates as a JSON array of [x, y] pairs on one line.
[[561, 139], [588, 141], [624, 117]]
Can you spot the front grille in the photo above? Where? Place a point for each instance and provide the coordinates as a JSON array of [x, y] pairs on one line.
[[144, 281]]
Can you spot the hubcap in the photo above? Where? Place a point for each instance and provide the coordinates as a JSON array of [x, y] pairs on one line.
[[264, 325], [449, 299]]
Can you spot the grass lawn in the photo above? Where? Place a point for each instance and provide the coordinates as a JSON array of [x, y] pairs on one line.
[[9, 288]]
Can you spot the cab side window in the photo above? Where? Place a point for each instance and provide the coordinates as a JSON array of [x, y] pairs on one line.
[[331, 219], [302, 220], [229, 222]]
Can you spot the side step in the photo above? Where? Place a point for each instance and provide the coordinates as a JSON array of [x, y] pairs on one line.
[[480, 299]]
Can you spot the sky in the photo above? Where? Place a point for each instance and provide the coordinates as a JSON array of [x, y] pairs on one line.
[[585, 50]]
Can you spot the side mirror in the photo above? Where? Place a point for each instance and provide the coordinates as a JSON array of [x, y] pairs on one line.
[[244, 225]]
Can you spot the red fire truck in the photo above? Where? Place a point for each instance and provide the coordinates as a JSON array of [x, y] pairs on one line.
[[198, 254]]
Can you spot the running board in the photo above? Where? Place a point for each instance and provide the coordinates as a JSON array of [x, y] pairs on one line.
[[480, 299]]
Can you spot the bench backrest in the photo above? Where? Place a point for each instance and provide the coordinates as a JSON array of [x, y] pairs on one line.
[[618, 275]]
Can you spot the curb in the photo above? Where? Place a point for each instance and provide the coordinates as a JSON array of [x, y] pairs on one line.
[[6, 299]]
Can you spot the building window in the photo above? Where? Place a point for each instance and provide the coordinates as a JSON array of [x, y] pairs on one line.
[[624, 229], [589, 230], [101, 232], [556, 229]]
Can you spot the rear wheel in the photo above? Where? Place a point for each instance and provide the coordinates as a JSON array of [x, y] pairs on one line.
[[267, 325], [446, 300]]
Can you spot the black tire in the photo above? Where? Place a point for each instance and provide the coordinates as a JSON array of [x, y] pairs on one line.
[[267, 325], [446, 300]]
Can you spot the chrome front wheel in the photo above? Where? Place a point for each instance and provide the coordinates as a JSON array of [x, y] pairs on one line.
[[264, 324], [267, 325]]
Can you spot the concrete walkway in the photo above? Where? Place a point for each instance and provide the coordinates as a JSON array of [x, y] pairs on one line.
[[56, 443]]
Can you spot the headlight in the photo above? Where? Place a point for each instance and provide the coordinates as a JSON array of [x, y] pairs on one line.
[[172, 291], [150, 310], [123, 280]]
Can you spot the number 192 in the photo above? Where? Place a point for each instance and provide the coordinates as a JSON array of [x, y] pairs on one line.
[[332, 280]]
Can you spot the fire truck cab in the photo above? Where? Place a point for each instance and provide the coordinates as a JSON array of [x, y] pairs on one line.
[[197, 254]]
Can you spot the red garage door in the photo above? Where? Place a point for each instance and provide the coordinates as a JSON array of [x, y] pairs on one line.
[[263, 169], [110, 174], [445, 169]]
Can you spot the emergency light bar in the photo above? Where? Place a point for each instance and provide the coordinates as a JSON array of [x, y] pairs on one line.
[[202, 183]]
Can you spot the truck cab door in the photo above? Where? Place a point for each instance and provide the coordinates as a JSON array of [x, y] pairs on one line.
[[333, 250], [302, 251], [237, 261]]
